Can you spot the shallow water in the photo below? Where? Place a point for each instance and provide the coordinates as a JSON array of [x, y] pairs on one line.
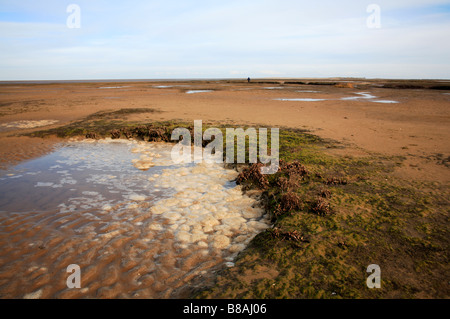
[[384, 101], [360, 96], [198, 91], [137, 225], [367, 96]]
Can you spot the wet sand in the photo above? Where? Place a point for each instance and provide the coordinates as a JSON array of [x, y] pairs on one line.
[[416, 127], [362, 118], [136, 224]]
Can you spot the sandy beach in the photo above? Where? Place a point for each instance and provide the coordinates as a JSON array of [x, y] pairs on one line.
[[416, 127], [362, 117]]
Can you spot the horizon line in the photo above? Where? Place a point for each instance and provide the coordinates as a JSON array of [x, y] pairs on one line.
[[336, 78]]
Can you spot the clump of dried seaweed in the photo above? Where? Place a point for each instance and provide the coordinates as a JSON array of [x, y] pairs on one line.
[[252, 175], [321, 207]]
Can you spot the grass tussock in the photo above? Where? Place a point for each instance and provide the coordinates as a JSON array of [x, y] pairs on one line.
[[332, 217]]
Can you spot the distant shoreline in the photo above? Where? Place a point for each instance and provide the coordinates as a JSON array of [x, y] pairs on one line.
[[360, 83], [255, 80]]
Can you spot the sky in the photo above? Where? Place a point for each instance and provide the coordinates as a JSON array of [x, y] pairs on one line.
[[170, 39]]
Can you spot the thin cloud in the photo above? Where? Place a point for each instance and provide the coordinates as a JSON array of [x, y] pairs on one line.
[[140, 39]]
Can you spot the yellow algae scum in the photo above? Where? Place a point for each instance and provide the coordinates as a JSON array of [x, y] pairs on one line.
[[137, 225]]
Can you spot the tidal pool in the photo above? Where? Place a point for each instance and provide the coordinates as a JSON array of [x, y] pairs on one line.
[[301, 100], [360, 96], [367, 96], [384, 101], [138, 225], [198, 91]]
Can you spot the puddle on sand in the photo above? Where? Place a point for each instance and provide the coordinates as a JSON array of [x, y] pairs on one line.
[[198, 91], [384, 101], [362, 95], [137, 225], [367, 96]]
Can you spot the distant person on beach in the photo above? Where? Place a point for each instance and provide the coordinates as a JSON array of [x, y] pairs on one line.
[[248, 80]]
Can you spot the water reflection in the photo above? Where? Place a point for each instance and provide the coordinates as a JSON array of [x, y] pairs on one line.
[[136, 230]]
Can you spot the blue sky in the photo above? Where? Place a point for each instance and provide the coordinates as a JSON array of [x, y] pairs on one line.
[[223, 39]]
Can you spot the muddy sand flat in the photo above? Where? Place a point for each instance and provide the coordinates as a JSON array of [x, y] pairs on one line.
[[365, 118]]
